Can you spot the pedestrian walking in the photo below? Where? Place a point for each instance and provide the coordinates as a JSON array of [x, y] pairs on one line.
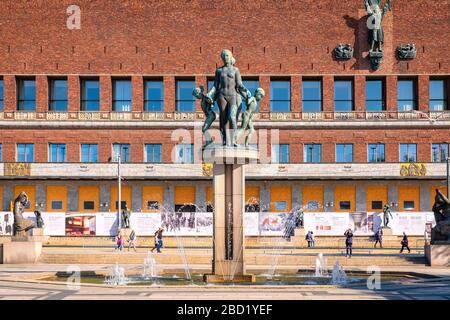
[[349, 242], [313, 240], [379, 238], [405, 243], [132, 241], [119, 241], [308, 238], [158, 240]]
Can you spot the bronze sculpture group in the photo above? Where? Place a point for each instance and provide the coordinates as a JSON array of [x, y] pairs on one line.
[[228, 91], [441, 210], [21, 225]]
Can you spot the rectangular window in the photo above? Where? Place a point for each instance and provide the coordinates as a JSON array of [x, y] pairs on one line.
[[90, 95], [25, 152], [152, 205], [377, 205], [26, 95], [280, 96], [121, 95], [251, 86], [343, 95], [312, 153], [56, 205], [438, 95], [89, 152], [280, 153], [185, 153], [1, 152], [311, 96], [2, 97], [376, 152], [375, 95], [407, 95], [153, 153], [408, 152], [88, 205], [344, 153], [408, 205], [344, 205], [57, 152], [439, 152], [58, 95], [154, 96], [123, 205], [124, 149], [185, 101]]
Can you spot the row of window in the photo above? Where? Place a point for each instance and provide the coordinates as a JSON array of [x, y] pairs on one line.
[[280, 94], [185, 153]]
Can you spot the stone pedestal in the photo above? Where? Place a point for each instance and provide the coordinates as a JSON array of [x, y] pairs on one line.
[[300, 232], [387, 234], [37, 234], [125, 232], [438, 254], [21, 251], [229, 205]]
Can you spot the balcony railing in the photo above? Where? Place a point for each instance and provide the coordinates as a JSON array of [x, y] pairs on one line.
[[351, 116]]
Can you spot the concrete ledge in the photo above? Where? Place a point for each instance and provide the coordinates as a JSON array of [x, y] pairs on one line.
[[214, 278], [21, 252], [438, 255]]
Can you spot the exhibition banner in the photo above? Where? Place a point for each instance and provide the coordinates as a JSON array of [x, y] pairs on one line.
[[327, 223], [6, 223], [145, 223], [106, 224], [251, 223], [272, 223]]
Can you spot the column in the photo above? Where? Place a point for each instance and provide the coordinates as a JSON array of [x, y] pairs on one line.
[[424, 93], [73, 93], [328, 93], [137, 94], [296, 94], [328, 196], [136, 198], [264, 82], [360, 93], [72, 198], [361, 204], [391, 93], [10, 93], [200, 197], [169, 196], [8, 196], [169, 93], [105, 93], [105, 198], [41, 93]]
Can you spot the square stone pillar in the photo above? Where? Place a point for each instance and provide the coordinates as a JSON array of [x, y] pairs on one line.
[[229, 205]]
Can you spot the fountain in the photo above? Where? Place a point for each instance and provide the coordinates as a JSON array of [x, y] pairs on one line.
[[150, 268], [338, 276], [117, 276], [321, 266]]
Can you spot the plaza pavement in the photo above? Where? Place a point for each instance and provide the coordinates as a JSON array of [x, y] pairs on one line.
[[16, 282]]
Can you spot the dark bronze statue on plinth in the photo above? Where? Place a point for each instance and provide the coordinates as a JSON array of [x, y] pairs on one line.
[[441, 210], [21, 225]]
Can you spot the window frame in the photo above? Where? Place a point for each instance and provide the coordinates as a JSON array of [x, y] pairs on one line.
[[122, 146], [440, 152], [2, 94], [408, 153], [445, 99], [191, 153], [58, 146], [414, 94], [51, 101], [25, 152], [280, 160], [153, 153], [146, 97], [19, 86], [89, 152], [115, 81], [177, 100], [345, 145], [352, 100], [305, 160], [311, 80], [383, 94], [83, 102], [272, 100], [376, 152]]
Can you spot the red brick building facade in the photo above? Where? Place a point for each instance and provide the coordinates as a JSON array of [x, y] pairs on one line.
[[175, 40]]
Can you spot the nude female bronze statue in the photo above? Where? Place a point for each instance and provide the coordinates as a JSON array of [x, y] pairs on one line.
[[227, 87], [21, 225]]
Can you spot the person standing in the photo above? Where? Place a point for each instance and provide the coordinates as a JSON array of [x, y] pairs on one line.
[[379, 238], [313, 240], [405, 243], [132, 241], [349, 242], [119, 241], [308, 238], [158, 240]]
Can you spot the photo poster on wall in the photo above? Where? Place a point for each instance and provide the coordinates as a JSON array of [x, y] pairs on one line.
[[54, 222], [326, 223], [106, 224], [79, 224], [204, 223], [6, 223], [359, 223], [272, 223], [251, 223], [412, 223], [145, 223]]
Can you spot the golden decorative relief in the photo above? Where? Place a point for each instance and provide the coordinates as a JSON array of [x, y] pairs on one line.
[[17, 169], [413, 170], [207, 169]]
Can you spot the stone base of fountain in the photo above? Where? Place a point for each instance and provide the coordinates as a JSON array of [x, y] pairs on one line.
[[217, 278], [387, 234], [20, 250]]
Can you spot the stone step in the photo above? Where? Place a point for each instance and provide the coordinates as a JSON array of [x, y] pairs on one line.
[[251, 242]]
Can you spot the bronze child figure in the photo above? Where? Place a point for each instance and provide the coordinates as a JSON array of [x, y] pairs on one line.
[[247, 116], [208, 111]]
